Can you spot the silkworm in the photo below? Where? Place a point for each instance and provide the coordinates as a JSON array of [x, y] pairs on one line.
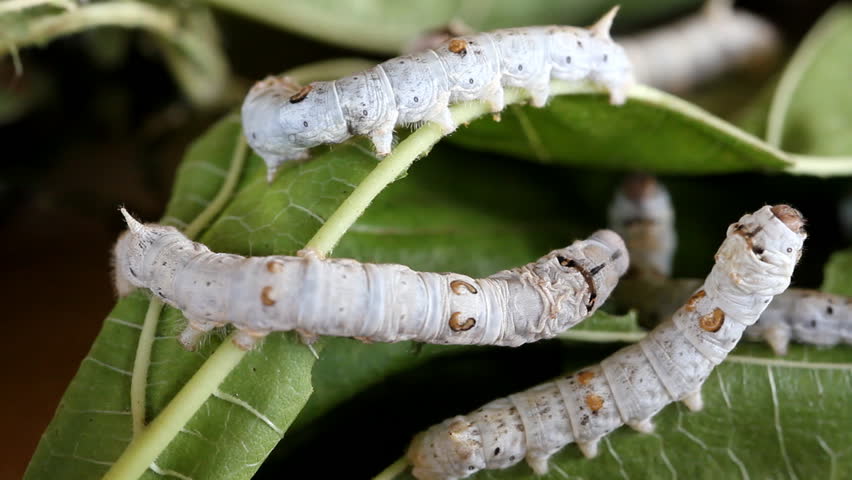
[[642, 213], [373, 302], [633, 384], [701, 47], [282, 121]]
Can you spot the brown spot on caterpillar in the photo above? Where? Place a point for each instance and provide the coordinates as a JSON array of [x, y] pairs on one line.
[[712, 322], [301, 94], [456, 284], [790, 217], [457, 326], [585, 376], [587, 276], [739, 229], [266, 296], [595, 402], [458, 46], [458, 426], [690, 304], [274, 266]]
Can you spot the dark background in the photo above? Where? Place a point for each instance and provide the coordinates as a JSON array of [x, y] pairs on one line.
[[111, 131]]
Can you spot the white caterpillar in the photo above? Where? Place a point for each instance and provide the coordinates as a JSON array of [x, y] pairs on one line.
[[281, 123], [642, 213], [700, 47], [633, 384], [383, 303]]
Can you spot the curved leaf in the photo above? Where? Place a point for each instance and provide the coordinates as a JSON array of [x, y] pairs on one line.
[[653, 131]]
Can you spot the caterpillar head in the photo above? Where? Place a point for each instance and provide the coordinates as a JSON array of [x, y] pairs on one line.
[[130, 250], [282, 121], [763, 248]]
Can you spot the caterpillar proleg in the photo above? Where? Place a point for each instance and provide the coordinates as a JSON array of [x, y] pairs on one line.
[[642, 213], [282, 121], [700, 47], [375, 302], [633, 384]]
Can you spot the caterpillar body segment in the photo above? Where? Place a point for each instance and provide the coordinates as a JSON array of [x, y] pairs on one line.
[[373, 302]]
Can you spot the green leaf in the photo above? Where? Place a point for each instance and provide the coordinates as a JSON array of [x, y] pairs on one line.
[[838, 274], [387, 26], [810, 110], [653, 131]]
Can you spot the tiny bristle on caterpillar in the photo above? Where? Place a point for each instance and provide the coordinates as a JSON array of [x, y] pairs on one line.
[[632, 385], [373, 302]]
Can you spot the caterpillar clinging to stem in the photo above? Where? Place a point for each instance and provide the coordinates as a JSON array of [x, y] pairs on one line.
[[375, 302], [642, 213], [633, 384], [282, 121]]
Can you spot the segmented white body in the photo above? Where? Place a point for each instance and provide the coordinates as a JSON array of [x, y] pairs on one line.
[[633, 384], [700, 47], [642, 213], [281, 122], [382, 303]]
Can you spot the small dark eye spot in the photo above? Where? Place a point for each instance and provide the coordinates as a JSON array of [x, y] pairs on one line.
[[470, 81], [568, 59], [605, 57], [758, 250], [305, 123], [520, 68], [789, 250], [365, 113], [416, 99]]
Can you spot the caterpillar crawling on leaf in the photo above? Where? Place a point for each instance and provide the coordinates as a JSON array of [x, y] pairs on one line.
[[282, 121], [372, 302], [642, 213], [633, 384]]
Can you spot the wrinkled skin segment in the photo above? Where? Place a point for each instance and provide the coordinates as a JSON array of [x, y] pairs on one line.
[[281, 125]]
